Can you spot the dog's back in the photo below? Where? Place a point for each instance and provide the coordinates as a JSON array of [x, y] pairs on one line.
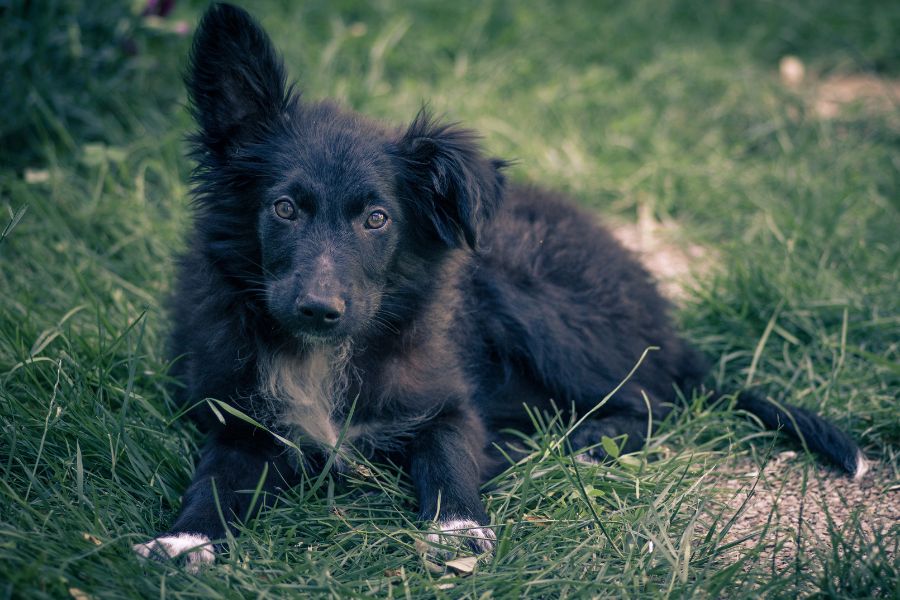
[[564, 304]]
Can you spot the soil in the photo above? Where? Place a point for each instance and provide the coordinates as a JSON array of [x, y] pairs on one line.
[[793, 505]]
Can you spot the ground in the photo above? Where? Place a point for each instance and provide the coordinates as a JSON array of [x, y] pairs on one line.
[[749, 150]]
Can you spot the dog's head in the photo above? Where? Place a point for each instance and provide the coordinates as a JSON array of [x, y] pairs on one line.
[[321, 212]]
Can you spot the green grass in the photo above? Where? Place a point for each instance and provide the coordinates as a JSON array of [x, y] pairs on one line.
[[671, 105]]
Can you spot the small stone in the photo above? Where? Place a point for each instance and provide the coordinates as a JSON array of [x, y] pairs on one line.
[[792, 70]]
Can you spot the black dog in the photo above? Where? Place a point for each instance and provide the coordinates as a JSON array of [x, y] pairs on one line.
[[338, 265]]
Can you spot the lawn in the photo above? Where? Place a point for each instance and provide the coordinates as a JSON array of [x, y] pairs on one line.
[[672, 110]]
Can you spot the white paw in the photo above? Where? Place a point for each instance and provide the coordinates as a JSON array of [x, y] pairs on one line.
[[195, 548], [862, 466], [456, 534], [586, 459]]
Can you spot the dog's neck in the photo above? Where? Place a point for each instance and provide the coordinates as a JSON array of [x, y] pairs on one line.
[[305, 391]]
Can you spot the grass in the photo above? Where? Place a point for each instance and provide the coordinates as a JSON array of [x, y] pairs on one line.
[[671, 105]]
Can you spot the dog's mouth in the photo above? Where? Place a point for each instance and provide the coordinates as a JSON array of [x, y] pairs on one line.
[[319, 339]]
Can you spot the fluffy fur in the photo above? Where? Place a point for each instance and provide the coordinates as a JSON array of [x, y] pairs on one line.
[[337, 262]]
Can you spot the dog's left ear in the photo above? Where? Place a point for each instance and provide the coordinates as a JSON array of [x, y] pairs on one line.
[[236, 81], [450, 185]]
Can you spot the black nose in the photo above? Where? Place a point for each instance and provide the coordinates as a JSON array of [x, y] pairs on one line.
[[321, 313]]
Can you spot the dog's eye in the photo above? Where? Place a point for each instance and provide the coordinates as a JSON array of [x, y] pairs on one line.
[[284, 208], [376, 220]]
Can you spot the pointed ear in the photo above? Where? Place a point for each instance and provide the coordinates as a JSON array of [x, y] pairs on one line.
[[450, 185], [235, 79]]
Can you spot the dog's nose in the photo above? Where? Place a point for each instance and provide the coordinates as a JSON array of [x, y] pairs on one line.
[[320, 312]]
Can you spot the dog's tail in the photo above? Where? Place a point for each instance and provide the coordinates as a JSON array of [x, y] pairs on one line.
[[815, 433]]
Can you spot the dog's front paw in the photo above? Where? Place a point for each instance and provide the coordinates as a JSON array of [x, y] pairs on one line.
[[196, 549], [458, 535], [594, 456]]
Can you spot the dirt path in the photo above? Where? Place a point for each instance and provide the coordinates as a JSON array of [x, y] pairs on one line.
[[782, 501]]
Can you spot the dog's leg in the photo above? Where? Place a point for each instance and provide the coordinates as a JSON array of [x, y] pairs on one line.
[[589, 433], [445, 462], [226, 478]]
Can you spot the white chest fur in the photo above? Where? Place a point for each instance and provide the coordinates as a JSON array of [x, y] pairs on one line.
[[304, 390]]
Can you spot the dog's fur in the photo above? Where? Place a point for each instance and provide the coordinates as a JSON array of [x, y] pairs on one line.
[[435, 320]]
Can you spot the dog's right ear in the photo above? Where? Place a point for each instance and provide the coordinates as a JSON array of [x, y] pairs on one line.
[[235, 79], [451, 186]]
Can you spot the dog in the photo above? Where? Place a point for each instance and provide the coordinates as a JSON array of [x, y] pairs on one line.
[[357, 287]]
